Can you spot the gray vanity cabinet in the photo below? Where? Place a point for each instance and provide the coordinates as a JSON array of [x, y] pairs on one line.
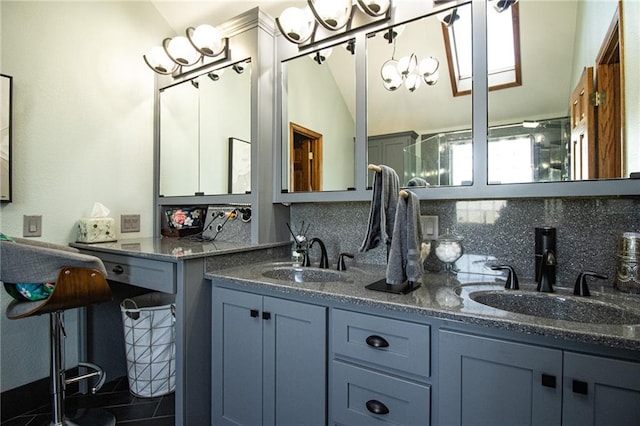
[[379, 371], [494, 382], [269, 360], [489, 381], [600, 391]]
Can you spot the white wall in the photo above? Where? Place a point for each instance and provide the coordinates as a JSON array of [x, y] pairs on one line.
[[83, 132]]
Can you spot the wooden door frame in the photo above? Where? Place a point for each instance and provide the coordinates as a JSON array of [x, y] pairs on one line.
[[610, 115], [316, 149]]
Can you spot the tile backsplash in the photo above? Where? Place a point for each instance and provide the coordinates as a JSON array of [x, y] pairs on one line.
[[588, 230]]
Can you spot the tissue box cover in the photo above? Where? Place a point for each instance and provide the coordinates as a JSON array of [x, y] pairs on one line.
[[96, 230]]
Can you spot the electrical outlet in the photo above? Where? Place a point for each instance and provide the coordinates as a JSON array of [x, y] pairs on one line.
[[129, 223], [31, 226], [429, 227]]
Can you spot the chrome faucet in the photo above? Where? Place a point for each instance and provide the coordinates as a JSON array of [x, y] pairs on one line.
[[546, 274], [324, 259]]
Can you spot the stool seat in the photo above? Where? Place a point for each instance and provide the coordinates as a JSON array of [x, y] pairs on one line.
[[80, 280], [75, 287]]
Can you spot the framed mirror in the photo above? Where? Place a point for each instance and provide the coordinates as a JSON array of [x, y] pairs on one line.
[[318, 120], [6, 102], [574, 116], [417, 122], [197, 119]]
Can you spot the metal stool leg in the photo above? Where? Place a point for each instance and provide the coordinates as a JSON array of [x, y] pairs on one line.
[[57, 334]]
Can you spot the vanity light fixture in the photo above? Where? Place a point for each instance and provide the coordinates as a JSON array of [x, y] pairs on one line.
[[216, 74], [321, 55], [182, 52], [300, 25], [240, 67], [449, 17], [502, 5]]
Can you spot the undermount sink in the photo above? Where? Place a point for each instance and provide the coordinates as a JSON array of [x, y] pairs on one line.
[[556, 306], [300, 274]]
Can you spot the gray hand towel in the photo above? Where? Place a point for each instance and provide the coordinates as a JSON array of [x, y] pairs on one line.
[[404, 258], [383, 208]]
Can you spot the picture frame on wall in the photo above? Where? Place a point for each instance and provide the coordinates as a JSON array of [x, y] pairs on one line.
[[239, 166], [6, 102]]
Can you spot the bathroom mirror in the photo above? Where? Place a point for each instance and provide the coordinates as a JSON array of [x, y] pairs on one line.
[[6, 98], [318, 120], [530, 126], [405, 124], [198, 118]]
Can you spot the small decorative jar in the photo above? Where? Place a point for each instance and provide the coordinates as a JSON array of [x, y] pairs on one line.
[[449, 249]]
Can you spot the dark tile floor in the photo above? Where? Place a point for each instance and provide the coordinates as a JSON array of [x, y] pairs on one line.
[[115, 398]]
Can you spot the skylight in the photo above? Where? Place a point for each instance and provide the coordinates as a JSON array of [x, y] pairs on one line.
[[503, 49]]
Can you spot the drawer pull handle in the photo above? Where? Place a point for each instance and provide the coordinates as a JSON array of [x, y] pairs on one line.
[[117, 270], [548, 380], [580, 387], [377, 407], [377, 341], [254, 313]]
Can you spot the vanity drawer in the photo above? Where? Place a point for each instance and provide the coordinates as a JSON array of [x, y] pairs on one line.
[[388, 343], [361, 396], [146, 273]]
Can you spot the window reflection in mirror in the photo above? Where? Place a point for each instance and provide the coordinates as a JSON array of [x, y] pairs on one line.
[[319, 120], [197, 119], [553, 117], [424, 133]]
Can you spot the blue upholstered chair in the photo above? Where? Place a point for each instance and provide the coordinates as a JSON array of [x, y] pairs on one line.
[[79, 281]]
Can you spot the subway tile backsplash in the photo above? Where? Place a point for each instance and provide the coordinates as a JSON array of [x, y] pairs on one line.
[[588, 230]]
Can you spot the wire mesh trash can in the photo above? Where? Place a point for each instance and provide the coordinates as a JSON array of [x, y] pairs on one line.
[[150, 341]]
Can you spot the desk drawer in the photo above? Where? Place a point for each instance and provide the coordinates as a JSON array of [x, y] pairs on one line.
[[388, 343], [146, 273], [361, 396]]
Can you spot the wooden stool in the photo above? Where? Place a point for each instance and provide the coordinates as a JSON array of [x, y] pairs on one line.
[[76, 286]]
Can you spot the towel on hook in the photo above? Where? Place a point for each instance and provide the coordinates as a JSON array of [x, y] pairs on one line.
[[404, 261], [383, 208]]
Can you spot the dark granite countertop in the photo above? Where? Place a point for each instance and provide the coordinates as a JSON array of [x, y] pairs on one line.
[[447, 297], [172, 249]]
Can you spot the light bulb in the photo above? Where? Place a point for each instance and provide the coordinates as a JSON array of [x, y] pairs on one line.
[[296, 24], [432, 79], [158, 60], [181, 51], [407, 64], [374, 7], [412, 82], [389, 71], [206, 38], [334, 13], [428, 66]]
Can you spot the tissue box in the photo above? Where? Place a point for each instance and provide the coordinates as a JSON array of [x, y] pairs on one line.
[[96, 230]]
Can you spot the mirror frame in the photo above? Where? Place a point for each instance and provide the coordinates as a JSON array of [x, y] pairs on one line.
[[480, 188], [6, 108]]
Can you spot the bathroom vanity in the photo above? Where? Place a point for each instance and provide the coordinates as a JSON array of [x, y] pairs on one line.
[[433, 356], [168, 265]]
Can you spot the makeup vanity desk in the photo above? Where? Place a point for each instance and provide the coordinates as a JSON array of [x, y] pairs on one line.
[[169, 265]]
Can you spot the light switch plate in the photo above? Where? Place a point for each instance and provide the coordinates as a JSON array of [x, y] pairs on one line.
[[129, 223], [31, 226], [429, 227]]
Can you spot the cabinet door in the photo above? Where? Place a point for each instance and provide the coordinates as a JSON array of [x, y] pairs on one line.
[[237, 358], [486, 381], [294, 363], [600, 391]]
